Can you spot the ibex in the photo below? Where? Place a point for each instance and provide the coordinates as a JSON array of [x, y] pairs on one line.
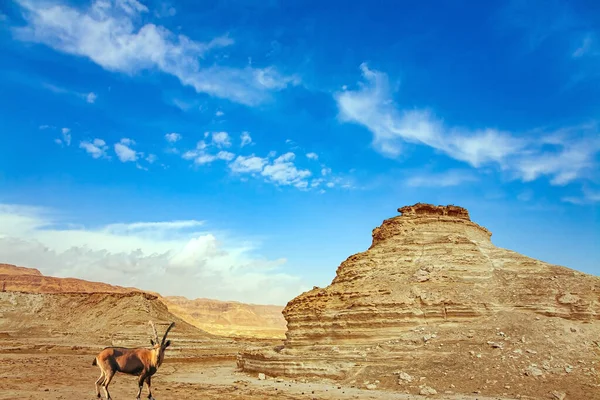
[[139, 361]]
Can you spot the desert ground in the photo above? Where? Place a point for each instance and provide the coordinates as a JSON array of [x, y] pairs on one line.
[[68, 375]]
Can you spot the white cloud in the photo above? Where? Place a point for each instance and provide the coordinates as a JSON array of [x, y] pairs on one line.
[[245, 138], [526, 157], [221, 139], [151, 158], [219, 113], [442, 179], [170, 257], [91, 97], [204, 159], [110, 35], [124, 152], [312, 156], [172, 137], [248, 164], [225, 155], [96, 148], [283, 172], [66, 136], [325, 171]]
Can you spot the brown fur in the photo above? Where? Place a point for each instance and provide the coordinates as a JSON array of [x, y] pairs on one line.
[[140, 362]]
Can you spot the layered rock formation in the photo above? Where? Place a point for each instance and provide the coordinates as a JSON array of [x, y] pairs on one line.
[[230, 318], [435, 300], [48, 309]]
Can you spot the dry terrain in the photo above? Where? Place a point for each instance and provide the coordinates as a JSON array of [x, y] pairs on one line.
[[431, 309]]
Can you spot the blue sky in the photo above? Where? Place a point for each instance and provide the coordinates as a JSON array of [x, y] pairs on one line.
[[243, 149]]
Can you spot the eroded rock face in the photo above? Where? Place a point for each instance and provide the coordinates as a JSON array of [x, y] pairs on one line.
[[428, 297]]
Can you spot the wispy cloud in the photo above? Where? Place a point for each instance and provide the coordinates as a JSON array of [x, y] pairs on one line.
[[89, 97], [172, 137], [312, 156], [563, 156], [245, 138], [110, 35], [588, 196], [587, 46], [65, 138], [169, 257], [96, 148], [441, 179]]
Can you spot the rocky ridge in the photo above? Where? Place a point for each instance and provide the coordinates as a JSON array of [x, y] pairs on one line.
[[433, 304], [212, 316], [230, 318]]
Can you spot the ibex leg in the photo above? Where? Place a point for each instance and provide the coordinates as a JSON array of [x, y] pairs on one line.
[[149, 383], [99, 382], [107, 380], [141, 380]]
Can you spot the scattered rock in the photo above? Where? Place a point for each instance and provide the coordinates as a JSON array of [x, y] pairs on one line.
[[371, 386], [568, 369], [427, 391], [534, 371], [261, 376], [558, 395], [404, 377]]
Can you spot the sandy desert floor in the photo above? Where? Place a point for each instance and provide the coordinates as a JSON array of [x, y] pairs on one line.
[[51, 375]]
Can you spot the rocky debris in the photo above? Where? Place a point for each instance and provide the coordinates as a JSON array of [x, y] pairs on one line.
[[558, 395], [261, 376], [403, 377], [427, 391], [371, 386], [433, 271], [533, 370]]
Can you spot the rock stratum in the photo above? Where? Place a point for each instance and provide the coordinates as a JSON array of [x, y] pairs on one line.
[[434, 304]]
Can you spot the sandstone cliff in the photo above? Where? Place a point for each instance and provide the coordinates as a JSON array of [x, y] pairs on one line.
[[433, 302], [230, 318]]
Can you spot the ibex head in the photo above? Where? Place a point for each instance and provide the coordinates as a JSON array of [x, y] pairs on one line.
[[160, 347]]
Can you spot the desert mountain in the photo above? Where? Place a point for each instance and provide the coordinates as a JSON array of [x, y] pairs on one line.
[[213, 316], [48, 309], [434, 305], [230, 318]]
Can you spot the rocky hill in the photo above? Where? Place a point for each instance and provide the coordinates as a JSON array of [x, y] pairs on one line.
[[30, 280], [50, 311], [230, 318], [29, 286], [433, 305]]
